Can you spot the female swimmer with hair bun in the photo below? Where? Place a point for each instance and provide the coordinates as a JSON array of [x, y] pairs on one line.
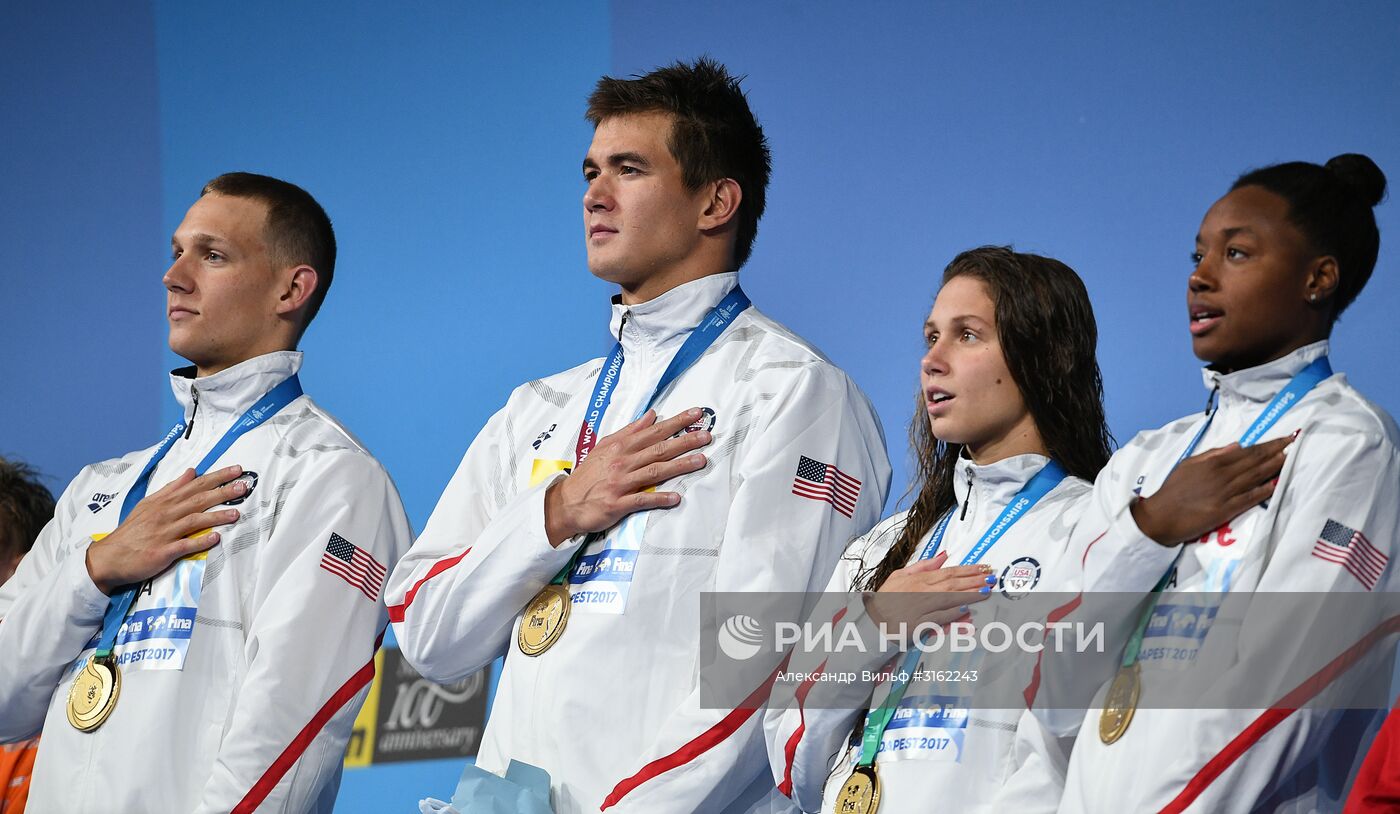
[[1288, 482]]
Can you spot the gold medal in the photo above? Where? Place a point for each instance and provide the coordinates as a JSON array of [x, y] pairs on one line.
[[1120, 704], [544, 620], [94, 693], [860, 794]]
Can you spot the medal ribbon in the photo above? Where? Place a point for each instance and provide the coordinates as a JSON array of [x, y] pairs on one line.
[[695, 345], [263, 409], [1292, 393], [878, 719]]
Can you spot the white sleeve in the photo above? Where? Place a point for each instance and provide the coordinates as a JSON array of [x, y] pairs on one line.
[[311, 639], [774, 541], [50, 609], [1229, 759], [1108, 552], [1039, 762], [454, 597]]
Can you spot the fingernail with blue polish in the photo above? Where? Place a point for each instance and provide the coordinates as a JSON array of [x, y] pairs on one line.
[[962, 609], [986, 590], [991, 580]]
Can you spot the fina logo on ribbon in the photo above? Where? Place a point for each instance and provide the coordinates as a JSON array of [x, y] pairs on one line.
[[255, 415]]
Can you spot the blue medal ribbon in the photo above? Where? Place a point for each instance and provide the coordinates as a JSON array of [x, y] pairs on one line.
[[1036, 488], [878, 719], [700, 339], [263, 409], [695, 345], [1319, 370]]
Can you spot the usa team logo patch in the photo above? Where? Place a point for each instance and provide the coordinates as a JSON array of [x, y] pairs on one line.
[[705, 423], [99, 501], [1020, 577], [249, 479]]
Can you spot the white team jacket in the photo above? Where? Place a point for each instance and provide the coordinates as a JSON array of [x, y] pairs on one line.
[[612, 710], [809, 743], [1343, 469], [277, 651]]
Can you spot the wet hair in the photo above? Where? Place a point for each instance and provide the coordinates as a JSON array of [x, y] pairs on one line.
[[297, 230], [713, 134], [1048, 336], [1332, 206], [25, 506]]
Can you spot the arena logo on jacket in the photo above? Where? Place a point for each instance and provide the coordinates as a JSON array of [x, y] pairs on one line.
[[543, 436], [100, 500]]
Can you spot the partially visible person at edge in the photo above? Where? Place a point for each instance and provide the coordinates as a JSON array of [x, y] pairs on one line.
[[1008, 436], [1277, 261], [606, 699], [1377, 785], [200, 617], [25, 506]]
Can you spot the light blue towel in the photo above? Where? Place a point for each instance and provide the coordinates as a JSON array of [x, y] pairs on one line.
[[524, 790]]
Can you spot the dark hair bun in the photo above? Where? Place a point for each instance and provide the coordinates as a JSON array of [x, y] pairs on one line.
[[1360, 174]]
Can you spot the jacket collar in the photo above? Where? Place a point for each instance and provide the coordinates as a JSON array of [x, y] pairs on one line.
[[996, 482], [1262, 383], [229, 393], [663, 320]]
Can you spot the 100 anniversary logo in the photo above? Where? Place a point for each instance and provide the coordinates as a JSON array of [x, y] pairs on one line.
[[408, 717]]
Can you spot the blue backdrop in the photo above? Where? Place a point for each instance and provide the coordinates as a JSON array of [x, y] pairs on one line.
[[444, 138]]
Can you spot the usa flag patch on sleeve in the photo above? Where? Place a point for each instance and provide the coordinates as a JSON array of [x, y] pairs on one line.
[[821, 481], [354, 565], [1350, 549]]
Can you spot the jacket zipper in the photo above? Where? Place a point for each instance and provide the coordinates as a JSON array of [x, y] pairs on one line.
[[194, 395], [963, 516]]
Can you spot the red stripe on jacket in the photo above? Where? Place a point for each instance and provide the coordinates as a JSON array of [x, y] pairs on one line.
[[284, 762], [701, 744], [396, 611], [1056, 615], [790, 750], [1276, 715]]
